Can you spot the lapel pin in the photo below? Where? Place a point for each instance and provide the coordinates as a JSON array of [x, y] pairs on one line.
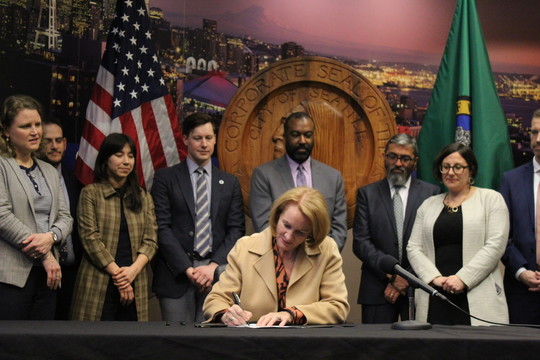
[[221, 182]]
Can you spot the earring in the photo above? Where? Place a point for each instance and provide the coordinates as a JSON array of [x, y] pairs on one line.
[[471, 180]]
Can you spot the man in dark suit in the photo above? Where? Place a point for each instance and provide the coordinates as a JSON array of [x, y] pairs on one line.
[[53, 150], [199, 216], [297, 168], [519, 187], [379, 230]]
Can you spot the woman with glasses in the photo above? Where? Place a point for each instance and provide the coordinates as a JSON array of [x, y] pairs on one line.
[[456, 243]]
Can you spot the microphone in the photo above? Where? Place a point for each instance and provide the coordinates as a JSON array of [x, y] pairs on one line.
[[390, 265]]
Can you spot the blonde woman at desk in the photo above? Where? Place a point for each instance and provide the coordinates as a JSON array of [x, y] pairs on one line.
[[289, 274]]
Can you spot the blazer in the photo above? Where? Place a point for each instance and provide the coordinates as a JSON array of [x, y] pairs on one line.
[[272, 179], [485, 234], [99, 214], [17, 217], [316, 287], [74, 188], [375, 233], [175, 214], [517, 189]]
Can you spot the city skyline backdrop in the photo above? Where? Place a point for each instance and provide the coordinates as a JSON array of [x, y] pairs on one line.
[[384, 30]]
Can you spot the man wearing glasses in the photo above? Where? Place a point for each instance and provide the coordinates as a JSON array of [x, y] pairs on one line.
[[384, 217]]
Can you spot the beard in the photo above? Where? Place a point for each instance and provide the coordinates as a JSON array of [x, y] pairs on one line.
[[297, 156], [397, 178]]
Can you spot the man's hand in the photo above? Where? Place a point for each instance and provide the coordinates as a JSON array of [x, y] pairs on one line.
[[531, 279], [204, 276], [391, 294]]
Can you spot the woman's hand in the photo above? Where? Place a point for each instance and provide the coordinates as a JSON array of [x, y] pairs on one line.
[[38, 244], [281, 318], [439, 281], [236, 316], [54, 273], [453, 285], [124, 277], [126, 295]]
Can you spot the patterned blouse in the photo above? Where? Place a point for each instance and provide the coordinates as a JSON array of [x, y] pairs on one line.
[[282, 282]]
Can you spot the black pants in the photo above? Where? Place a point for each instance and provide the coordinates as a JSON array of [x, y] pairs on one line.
[[113, 310], [35, 301]]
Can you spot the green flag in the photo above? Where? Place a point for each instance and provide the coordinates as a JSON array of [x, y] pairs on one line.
[[464, 105]]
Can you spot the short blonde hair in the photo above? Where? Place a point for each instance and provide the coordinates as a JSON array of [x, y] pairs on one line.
[[312, 204]]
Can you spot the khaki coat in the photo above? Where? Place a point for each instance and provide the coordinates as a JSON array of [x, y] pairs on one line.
[[99, 228]]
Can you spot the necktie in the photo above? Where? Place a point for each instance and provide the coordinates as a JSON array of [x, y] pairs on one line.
[[538, 227], [202, 208], [300, 177], [398, 215]]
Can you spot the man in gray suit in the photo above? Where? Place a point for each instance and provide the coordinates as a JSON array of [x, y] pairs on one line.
[[378, 231], [297, 168]]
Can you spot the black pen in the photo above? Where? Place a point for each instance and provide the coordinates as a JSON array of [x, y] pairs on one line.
[[237, 300]]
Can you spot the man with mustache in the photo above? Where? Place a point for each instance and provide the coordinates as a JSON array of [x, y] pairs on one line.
[[53, 150], [297, 168], [384, 217]]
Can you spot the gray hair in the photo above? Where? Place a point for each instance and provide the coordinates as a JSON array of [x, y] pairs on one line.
[[403, 140]]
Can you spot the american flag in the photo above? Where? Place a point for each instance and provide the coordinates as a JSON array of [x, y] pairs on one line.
[[130, 97]]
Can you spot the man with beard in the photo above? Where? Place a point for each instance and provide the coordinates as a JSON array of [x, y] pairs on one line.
[[384, 217], [297, 168]]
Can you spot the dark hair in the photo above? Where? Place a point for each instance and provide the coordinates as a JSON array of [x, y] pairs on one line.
[[11, 108], [112, 144], [464, 150], [294, 116], [196, 119], [52, 121]]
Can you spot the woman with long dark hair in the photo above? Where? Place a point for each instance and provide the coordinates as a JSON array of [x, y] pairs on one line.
[[118, 231]]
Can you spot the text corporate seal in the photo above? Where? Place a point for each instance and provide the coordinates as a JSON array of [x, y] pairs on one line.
[[353, 121]]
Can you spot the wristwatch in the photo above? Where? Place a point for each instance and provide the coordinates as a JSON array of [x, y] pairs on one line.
[[54, 236]]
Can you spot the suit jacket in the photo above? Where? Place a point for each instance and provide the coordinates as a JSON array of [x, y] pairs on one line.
[[517, 188], [272, 179], [175, 214], [317, 284], [375, 233], [74, 188], [485, 234], [99, 214], [17, 217]]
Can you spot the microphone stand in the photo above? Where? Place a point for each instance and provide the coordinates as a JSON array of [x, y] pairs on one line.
[[411, 324]]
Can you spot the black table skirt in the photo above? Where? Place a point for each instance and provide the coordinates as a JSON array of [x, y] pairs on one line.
[[157, 340]]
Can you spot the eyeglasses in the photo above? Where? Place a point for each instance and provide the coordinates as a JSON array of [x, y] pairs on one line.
[[405, 159], [458, 169]]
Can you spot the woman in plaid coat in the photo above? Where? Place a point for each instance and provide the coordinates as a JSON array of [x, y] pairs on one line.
[[118, 231]]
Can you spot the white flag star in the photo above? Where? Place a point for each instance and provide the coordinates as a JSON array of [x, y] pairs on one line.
[[133, 94], [151, 73], [162, 81], [137, 80], [141, 11], [148, 34], [145, 88], [125, 18], [144, 49], [129, 55], [117, 102], [125, 71], [133, 40], [128, 3], [137, 26], [121, 87]]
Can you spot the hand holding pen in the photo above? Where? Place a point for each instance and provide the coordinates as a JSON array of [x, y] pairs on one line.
[[236, 315]]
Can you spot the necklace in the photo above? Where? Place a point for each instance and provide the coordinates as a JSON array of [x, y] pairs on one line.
[[454, 209]]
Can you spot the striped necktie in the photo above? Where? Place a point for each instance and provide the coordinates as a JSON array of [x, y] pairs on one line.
[[202, 207], [398, 215]]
